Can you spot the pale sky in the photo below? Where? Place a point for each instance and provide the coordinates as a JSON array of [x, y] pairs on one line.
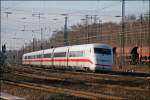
[[76, 10]]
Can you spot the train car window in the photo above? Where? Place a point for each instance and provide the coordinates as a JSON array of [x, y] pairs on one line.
[[35, 56], [47, 55], [25, 57], [102, 51], [29, 57], [76, 54], [60, 54], [39, 56]]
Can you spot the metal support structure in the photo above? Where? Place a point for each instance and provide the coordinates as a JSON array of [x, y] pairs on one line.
[[96, 26], [87, 27], [24, 27], [95, 19], [122, 38], [39, 17], [0, 42], [100, 30], [7, 13], [33, 44], [90, 28], [41, 38], [149, 36], [141, 37], [65, 31]]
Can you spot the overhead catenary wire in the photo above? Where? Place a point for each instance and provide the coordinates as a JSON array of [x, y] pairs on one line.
[[72, 13]]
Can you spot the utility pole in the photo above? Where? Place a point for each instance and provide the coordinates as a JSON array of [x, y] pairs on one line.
[[149, 36], [141, 37], [83, 31], [24, 27], [7, 13], [90, 28], [87, 28], [95, 19], [39, 17], [122, 40], [65, 31], [95, 25], [41, 38], [0, 41], [33, 43], [100, 29]]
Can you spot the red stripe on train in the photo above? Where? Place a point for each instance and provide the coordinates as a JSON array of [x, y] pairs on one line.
[[61, 60], [65, 60]]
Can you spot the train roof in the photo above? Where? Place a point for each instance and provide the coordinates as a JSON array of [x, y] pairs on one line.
[[94, 45], [82, 45]]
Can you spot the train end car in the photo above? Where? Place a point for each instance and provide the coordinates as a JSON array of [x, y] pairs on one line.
[[91, 57], [103, 56]]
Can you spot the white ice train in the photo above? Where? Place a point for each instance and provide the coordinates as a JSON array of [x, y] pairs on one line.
[[86, 57]]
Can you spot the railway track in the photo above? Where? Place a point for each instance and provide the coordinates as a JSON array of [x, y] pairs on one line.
[[83, 94], [135, 74], [88, 77], [77, 75], [102, 72], [65, 79], [104, 84], [71, 80]]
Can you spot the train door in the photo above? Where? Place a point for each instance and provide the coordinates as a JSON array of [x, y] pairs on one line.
[[52, 57], [42, 58], [67, 55]]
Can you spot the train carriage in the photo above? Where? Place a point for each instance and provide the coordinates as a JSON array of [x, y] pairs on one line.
[[60, 57], [47, 57], [79, 57]]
